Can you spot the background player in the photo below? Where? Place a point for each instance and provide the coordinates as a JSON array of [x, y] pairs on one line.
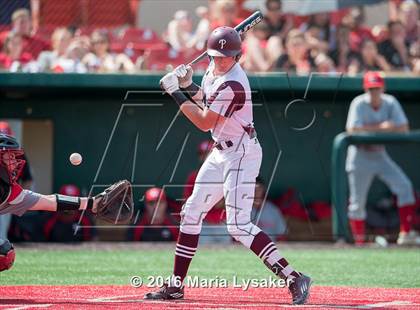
[[225, 109], [16, 200], [375, 111]]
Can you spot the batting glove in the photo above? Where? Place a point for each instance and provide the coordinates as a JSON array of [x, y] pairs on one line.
[[169, 83], [184, 74]]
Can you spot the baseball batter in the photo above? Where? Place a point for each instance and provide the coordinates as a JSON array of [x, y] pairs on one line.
[[223, 106], [16, 200], [375, 111]]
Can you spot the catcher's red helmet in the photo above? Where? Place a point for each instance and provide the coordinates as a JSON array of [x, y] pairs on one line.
[[11, 159], [224, 42]]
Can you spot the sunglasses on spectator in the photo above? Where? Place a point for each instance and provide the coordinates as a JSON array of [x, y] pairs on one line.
[[99, 42]]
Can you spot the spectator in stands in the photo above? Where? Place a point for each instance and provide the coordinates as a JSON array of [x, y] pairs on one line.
[[22, 25], [71, 61], [380, 33], [370, 59], [225, 13], [60, 40], [156, 223], [321, 24], [416, 66], [395, 49], [324, 64], [179, 33], [296, 60], [69, 226], [278, 23], [100, 60], [342, 55], [13, 58], [260, 50], [409, 16], [268, 215], [355, 20], [415, 57], [315, 42], [202, 31]]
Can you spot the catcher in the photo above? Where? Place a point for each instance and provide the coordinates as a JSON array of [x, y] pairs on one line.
[[114, 205]]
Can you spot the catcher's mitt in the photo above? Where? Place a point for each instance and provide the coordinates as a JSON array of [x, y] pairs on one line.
[[115, 204]]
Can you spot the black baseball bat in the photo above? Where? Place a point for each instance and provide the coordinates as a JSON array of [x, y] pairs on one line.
[[243, 27]]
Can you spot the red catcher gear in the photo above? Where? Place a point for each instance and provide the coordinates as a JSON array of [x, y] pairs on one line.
[[11, 159], [69, 190], [7, 255], [5, 128], [155, 194], [224, 42], [373, 79]]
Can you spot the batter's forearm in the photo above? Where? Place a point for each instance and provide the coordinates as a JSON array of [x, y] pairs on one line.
[[195, 114]]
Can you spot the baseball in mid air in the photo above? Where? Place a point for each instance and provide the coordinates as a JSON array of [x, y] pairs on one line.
[[75, 159]]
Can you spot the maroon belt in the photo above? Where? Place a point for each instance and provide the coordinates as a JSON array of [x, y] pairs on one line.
[[250, 131], [220, 147]]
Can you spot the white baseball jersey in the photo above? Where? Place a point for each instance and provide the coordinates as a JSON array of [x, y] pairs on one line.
[[230, 96], [229, 173]]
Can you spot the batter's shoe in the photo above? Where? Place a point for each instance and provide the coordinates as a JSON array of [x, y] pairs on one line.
[[166, 293], [299, 288], [410, 238]]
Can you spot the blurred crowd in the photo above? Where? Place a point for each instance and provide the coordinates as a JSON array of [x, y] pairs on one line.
[[34, 40]]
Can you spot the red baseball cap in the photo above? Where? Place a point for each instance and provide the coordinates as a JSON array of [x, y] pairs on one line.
[[5, 128], [373, 79], [154, 194], [69, 190]]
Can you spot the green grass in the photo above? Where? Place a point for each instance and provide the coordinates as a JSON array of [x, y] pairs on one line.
[[349, 266]]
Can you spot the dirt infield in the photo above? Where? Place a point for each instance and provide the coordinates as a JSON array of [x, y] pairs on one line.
[[125, 297]]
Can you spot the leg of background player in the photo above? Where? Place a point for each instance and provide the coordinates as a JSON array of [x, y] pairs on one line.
[[359, 183], [393, 176]]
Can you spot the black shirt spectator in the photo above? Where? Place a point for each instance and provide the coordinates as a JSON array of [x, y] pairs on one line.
[[278, 23], [395, 49]]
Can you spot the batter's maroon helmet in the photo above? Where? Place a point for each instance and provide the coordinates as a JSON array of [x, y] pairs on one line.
[[224, 42]]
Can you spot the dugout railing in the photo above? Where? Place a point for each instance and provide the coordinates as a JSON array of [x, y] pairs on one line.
[[339, 185]]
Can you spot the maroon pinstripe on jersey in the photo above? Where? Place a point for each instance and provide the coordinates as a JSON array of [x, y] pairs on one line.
[[230, 96]]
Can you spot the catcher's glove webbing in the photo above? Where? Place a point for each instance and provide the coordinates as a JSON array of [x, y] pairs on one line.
[[115, 204]]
